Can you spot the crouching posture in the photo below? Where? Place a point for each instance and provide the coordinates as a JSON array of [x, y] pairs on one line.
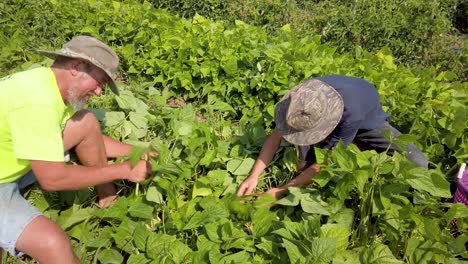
[[320, 112], [41, 119]]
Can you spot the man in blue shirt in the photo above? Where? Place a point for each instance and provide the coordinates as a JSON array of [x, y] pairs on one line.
[[321, 111]]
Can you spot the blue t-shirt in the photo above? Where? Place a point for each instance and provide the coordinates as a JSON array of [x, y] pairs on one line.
[[362, 111]]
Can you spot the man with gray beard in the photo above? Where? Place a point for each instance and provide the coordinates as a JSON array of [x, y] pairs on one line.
[[41, 118]]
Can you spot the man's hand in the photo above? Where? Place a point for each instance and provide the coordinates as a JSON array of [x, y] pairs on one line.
[[140, 171], [276, 193], [107, 201], [150, 154], [247, 186]]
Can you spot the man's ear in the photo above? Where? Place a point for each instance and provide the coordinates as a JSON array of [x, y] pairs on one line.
[[76, 66]]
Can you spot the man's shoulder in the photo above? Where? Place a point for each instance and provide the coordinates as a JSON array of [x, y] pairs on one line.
[[32, 87], [37, 72]]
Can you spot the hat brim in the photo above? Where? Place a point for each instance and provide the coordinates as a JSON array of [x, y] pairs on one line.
[[54, 54], [328, 122]]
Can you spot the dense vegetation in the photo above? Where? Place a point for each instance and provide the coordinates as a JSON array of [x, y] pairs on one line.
[[364, 207], [419, 33]]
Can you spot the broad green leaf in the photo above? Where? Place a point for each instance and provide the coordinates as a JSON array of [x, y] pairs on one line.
[[244, 243], [73, 216], [209, 156], [99, 243], [210, 214], [457, 210], [214, 256], [180, 253], [344, 217], [217, 177], [126, 100], [239, 257], [203, 243], [338, 232], [312, 205], [230, 65], [432, 230], [110, 256], [183, 128], [459, 124], [240, 167], [349, 256], [429, 181], [345, 186], [419, 251], [114, 118], [323, 177], [159, 246], [139, 120], [343, 157], [141, 210], [117, 211], [138, 259], [361, 177], [154, 195], [290, 200], [212, 232], [457, 246], [362, 158], [102, 240], [261, 220], [378, 254], [140, 236], [323, 250], [405, 139], [266, 246], [221, 106], [123, 236], [294, 253], [201, 189], [163, 246], [135, 154]]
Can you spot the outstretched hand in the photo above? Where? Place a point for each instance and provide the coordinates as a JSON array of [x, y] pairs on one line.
[[247, 186]]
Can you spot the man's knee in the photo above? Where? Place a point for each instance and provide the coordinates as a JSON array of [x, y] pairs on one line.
[[57, 242], [85, 119], [53, 239]]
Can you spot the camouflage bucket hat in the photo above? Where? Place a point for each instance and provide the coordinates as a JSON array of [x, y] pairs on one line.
[[93, 51], [308, 113]]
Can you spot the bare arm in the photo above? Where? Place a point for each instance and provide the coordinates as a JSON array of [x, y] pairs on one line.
[[54, 176], [269, 149], [302, 179], [116, 148]]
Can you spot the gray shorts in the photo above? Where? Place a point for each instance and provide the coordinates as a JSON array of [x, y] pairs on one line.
[[15, 212]]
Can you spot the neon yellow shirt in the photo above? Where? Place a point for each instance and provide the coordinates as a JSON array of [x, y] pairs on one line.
[[32, 117]]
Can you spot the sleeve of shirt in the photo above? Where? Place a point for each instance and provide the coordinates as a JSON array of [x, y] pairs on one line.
[[345, 131], [36, 133]]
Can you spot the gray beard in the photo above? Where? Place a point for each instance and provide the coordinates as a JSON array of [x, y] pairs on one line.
[[74, 101]]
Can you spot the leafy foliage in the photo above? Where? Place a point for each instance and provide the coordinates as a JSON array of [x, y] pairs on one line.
[[418, 33], [363, 207]]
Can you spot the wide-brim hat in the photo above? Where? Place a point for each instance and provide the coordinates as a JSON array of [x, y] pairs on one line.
[[308, 113], [93, 51]]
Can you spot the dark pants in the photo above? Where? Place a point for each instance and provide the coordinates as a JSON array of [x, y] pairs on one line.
[[374, 139]]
